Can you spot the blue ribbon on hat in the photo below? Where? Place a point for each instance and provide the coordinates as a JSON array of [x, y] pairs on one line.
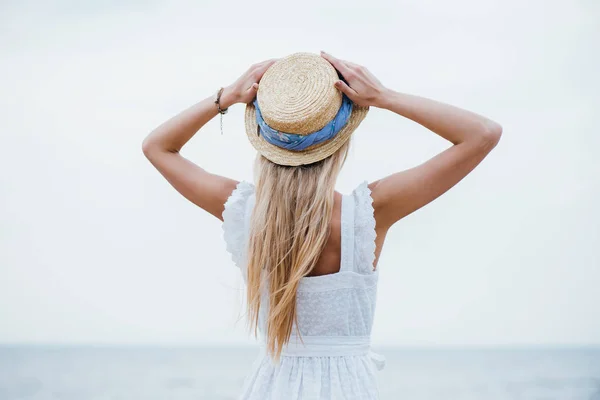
[[295, 142]]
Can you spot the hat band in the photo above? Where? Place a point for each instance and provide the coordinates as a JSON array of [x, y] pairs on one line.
[[295, 142]]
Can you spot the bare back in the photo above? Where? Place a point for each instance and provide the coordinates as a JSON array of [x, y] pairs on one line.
[[329, 262]]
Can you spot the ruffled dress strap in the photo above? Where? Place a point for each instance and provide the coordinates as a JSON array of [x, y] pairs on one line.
[[347, 234], [364, 229], [236, 221]]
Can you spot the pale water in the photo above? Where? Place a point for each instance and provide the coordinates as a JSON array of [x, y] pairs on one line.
[[110, 373]]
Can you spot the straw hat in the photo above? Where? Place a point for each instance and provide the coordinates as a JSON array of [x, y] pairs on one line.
[[297, 95]]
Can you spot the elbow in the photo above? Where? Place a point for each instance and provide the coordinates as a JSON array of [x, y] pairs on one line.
[[147, 147], [491, 133], [150, 147], [153, 148]]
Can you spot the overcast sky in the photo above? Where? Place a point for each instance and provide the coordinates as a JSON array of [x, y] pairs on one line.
[[95, 247]]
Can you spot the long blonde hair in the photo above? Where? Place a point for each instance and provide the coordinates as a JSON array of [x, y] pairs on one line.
[[289, 229]]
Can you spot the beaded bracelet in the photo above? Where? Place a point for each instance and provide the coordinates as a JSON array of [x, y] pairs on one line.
[[222, 111]]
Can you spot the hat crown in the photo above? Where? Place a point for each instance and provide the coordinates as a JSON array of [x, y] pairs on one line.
[[297, 94]]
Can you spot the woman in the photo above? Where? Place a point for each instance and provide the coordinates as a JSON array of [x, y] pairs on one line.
[[309, 254]]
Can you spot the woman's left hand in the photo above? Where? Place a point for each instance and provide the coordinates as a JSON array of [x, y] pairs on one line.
[[244, 89]]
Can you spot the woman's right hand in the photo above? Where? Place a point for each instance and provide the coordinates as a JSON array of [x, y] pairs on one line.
[[363, 87]]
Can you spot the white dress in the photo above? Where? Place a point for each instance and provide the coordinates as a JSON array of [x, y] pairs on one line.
[[335, 313]]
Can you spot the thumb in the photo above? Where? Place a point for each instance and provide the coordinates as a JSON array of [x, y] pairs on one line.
[[251, 93], [347, 90]]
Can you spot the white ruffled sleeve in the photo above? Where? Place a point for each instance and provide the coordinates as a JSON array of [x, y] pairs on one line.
[[235, 221], [364, 229]]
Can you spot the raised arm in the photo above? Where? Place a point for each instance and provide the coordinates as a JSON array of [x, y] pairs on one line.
[[162, 146], [402, 193]]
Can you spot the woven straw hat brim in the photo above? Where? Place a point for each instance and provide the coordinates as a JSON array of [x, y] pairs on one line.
[[310, 155]]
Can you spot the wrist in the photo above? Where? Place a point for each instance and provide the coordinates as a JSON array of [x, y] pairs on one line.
[[385, 99], [228, 98]]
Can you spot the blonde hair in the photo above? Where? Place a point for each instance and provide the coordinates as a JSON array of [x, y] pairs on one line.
[[289, 228]]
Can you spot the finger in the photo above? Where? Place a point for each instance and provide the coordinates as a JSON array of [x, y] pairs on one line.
[[266, 64], [252, 89], [262, 68], [347, 90], [337, 63], [353, 67], [251, 92]]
